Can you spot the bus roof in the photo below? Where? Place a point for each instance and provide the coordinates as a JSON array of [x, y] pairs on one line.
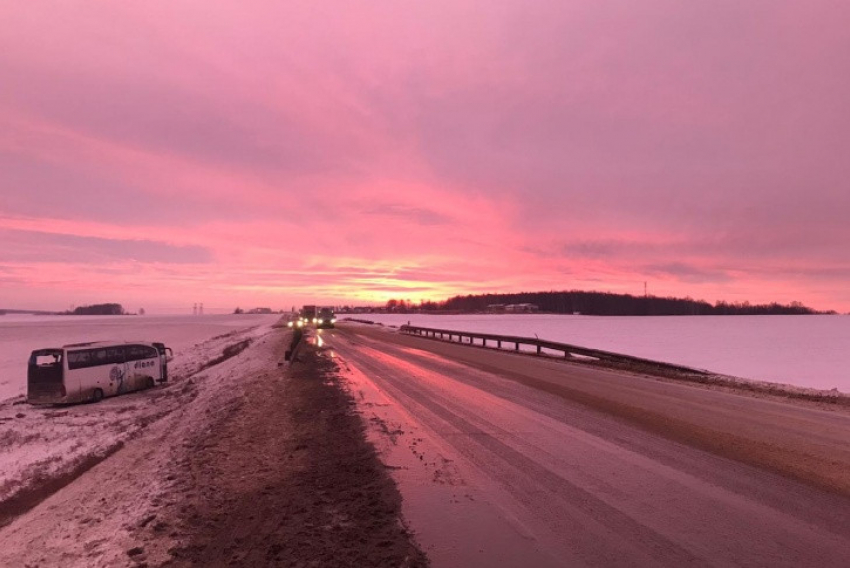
[[95, 344]]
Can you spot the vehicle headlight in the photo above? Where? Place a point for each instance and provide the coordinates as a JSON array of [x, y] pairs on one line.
[[289, 324], [333, 320], [300, 323], [321, 322]]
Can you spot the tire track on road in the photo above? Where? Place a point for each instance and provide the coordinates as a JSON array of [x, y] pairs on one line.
[[771, 524]]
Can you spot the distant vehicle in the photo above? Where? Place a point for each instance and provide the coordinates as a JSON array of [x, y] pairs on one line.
[[320, 317], [325, 318], [91, 371], [309, 314]]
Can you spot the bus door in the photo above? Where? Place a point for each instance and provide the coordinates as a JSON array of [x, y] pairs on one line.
[[144, 366], [165, 355]]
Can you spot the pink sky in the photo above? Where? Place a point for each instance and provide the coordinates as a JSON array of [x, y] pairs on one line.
[[160, 154]]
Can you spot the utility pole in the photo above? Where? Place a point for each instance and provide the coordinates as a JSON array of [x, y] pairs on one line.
[[644, 289]]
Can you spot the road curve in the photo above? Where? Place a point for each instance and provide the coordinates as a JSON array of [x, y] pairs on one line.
[[572, 466]]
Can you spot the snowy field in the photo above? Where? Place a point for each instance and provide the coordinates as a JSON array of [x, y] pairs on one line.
[[804, 351], [21, 334], [45, 443]]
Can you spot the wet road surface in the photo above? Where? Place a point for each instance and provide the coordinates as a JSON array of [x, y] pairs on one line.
[[495, 472]]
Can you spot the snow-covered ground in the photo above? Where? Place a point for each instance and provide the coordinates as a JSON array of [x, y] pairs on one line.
[[40, 444], [122, 503], [21, 334], [804, 351]]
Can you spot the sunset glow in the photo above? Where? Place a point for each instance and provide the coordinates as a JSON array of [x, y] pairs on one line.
[[160, 154]]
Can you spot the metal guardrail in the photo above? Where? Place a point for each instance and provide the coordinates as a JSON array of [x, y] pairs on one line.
[[568, 350]]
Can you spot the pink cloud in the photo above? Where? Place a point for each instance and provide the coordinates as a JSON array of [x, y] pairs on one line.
[[309, 150]]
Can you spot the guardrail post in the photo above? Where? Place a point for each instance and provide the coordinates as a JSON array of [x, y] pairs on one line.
[[539, 350], [484, 342], [499, 344], [516, 346]]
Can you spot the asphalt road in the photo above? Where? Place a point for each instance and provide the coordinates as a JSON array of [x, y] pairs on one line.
[[509, 460]]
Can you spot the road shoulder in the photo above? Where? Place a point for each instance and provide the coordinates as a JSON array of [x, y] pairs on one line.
[[265, 465], [288, 478]]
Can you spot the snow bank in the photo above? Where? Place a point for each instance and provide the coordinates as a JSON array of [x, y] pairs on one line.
[[39, 445], [808, 352]]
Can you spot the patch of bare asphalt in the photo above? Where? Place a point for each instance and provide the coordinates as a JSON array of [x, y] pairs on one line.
[[288, 478]]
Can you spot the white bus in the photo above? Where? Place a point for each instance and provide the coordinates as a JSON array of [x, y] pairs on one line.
[[91, 371]]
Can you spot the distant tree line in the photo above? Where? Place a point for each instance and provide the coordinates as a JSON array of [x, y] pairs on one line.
[[7, 311], [604, 304], [238, 311], [99, 310]]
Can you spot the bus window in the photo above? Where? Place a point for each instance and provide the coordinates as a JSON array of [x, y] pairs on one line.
[[98, 357], [115, 355], [79, 359], [47, 359], [138, 352]]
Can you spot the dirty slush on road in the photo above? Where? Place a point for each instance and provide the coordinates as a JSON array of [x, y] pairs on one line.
[[287, 477]]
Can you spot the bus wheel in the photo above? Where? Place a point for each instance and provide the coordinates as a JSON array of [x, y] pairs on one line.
[[97, 395], [151, 384]]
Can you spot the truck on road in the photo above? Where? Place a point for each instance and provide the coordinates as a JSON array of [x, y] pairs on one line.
[[321, 317], [325, 318]]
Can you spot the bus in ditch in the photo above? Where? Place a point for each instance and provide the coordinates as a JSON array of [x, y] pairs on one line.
[[83, 372]]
